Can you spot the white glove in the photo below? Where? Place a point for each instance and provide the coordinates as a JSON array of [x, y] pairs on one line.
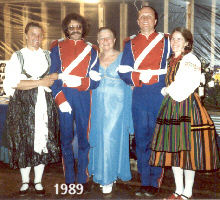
[[163, 91], [146, 76], [124, 69], [94, 75], [61, 76], [72, 81], [65, 107]]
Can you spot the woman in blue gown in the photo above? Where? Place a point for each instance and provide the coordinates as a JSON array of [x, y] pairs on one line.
[[111, 119]]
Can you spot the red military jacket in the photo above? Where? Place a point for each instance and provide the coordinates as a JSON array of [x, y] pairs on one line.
[[151, 61]]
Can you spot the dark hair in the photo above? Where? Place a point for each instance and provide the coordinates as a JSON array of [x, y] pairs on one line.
[[155, 12], [188, 38], [32, 24], [76, 17], [107, 28]]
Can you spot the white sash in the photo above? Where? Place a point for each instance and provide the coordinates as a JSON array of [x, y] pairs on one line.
[[41, 121], [147, 50], [77, 60]]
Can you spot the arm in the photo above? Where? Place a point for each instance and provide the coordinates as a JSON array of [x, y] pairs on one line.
[[127, 63], [187, 78], [126, 68], [54, 70], [12, 75], [88, 83], [47, 81]]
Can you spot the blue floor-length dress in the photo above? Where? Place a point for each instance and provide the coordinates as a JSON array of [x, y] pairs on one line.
[[111, 123]]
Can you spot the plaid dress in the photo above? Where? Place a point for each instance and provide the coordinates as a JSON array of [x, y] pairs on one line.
[[184, 134]]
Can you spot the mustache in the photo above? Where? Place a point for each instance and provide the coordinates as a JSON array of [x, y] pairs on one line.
[[76, 32]]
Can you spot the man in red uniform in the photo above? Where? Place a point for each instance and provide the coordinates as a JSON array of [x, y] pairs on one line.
[[143, 66], [76, 63]]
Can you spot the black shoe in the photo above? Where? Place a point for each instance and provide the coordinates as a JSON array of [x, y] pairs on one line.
[[24, 192], [39, 192], [151, 191], [86, 188], [141, 191]]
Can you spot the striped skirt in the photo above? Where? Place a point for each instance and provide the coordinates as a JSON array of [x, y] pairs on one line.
[[184, 136]]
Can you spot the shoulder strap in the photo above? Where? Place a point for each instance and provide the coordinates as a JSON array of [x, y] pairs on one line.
[[21, 60], [47, 55]]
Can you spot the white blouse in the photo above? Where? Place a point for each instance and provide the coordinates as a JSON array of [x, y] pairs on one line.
[[35, 64], [187, 78]]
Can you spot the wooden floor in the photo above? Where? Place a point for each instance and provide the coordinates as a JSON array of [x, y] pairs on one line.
[[206, 186]]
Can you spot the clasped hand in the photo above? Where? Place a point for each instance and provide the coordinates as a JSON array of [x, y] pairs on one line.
[[47, 81], [70, 80]]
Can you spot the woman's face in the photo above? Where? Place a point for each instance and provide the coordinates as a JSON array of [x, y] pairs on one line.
[[34, 38], [178, 43], [106, 40]]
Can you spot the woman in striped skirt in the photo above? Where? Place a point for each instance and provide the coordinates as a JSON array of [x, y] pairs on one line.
[[184, 136]]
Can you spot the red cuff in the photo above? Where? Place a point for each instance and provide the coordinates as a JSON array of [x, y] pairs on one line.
[[85, 84], [60, 98], [136, 79]]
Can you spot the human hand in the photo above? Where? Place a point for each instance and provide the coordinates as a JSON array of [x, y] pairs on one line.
[[145, 76], [65, 107], [94, 75], [72, 81], [47, 81], [54, 76]]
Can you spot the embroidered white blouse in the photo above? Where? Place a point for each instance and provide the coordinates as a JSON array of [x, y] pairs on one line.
[[187, 78]]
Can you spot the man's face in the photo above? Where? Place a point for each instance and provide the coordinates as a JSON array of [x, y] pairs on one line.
[[75, 30], [146, 20]]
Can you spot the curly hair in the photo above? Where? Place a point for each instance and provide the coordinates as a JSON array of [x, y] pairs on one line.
[[76, 17]]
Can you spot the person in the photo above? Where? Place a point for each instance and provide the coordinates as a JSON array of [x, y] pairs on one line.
[[32, 124], [184, 136], [77, 65], [143, 66], [111, 120]]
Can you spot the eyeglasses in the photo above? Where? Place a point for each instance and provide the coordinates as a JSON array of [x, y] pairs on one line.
[[78, 27]]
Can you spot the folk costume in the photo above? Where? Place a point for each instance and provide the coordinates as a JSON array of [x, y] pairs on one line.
[[184, 135], [111, 124], [32, 124], [141, 54], [78, 60]]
